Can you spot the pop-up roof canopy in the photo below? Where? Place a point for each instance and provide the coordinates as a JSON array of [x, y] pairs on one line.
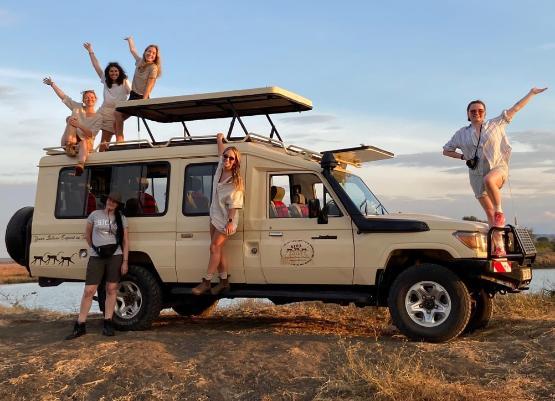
[[249, 102]]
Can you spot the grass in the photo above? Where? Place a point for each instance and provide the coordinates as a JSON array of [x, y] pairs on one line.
[[12, 273]]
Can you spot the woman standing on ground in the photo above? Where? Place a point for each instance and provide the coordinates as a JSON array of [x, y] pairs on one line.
[[148, 69], [486, 150], [116, 88], [106, 234], [82, 126], [227, 197]]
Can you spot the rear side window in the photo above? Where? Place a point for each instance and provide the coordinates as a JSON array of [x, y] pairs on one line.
[[143, 188], [197, 194]]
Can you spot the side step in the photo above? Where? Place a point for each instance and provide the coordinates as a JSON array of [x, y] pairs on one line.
[[363, 295]]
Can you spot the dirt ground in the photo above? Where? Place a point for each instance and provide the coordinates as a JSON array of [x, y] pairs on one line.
[[257, 351], [11, 273]]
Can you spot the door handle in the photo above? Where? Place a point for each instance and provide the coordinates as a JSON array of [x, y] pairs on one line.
[[186, 235], [325, 237], [275, 234]]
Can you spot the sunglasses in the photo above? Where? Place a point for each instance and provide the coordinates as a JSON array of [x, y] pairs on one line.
[[231, 158], [480, 111]]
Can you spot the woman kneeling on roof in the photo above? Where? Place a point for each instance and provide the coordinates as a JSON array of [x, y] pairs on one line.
[[82, 126], [227, 197]]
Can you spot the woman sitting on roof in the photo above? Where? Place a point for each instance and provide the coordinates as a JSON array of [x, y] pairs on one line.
[[148, 69], [82, 126], [116, 88], [227, 197]]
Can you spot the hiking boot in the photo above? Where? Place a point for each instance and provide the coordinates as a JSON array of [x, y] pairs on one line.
[[108, 329], [202, 288], [221, 287], [79, 329], [499, 219]]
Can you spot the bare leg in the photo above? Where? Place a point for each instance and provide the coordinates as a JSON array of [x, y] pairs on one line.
[[84, 151], [106, 137], [111, 292], [216, 245], [120, 118], [69, 137], [493, 182], [86, 302], [488, 207]]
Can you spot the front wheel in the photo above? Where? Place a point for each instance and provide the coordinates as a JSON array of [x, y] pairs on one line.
[[481, 311], [429, 302], [138, 299]]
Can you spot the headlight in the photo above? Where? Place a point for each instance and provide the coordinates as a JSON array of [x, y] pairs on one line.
[[474, 240]]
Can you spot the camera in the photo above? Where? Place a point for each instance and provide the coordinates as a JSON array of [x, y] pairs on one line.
[[472, 163]]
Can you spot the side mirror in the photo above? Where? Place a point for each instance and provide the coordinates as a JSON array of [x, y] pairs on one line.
[[323, 216], [313, 208]]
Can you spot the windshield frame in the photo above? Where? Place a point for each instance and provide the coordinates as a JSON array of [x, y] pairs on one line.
[[369, 202]]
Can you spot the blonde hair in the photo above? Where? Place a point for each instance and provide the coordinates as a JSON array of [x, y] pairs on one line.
[[236, 169], [157, 60], [87, 91]]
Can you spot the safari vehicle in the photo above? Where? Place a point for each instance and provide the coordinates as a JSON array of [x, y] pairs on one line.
[[310, 229]]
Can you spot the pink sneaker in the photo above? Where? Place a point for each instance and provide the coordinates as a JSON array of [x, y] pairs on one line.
[[499, 219]]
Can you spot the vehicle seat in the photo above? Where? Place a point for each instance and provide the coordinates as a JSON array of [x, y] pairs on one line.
[[280, 209]]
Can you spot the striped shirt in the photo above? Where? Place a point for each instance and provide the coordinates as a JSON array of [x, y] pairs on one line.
[[494, 145]]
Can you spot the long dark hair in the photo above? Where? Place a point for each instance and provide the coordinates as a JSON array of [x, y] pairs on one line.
[[122, 75], [119, 224]]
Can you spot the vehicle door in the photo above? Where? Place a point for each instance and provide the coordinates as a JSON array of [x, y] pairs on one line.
[[193, 225], [295, 248]]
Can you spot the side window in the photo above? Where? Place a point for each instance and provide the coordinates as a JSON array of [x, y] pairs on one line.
[[289, 195], [143, 188], [197, 194]]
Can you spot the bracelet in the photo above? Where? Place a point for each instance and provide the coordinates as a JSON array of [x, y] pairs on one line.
[[125, 260], [91, 52], [230, 220], [462, 157]]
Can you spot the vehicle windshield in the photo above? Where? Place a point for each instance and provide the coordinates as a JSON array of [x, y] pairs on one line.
[[359, 193]]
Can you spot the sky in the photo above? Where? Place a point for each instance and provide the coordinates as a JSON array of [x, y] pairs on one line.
[[397, 75]]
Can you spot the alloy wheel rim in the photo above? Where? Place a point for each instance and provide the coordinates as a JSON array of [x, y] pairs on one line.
[[129, 300], [428, 303]]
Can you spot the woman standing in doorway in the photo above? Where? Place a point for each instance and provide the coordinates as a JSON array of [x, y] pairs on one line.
[[227, 198]]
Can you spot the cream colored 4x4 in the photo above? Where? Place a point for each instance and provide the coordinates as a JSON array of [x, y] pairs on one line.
[[309, 230]]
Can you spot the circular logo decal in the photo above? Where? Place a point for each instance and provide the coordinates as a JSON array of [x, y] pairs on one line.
[[296, 253]]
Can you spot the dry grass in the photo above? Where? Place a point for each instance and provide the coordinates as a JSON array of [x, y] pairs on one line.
[[409, 374], [12, 273], [532, 306]]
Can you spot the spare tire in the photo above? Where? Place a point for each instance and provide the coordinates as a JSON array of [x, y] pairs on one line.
[[18, 235]]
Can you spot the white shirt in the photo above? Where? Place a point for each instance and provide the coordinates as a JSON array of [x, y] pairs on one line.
[[224, 197], [93, 122], [116, 93], [494, 144]]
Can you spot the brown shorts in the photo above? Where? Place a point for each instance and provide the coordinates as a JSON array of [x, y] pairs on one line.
[[109, 268]]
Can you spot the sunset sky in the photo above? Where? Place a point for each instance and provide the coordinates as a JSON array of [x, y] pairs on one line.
[[396, 75]]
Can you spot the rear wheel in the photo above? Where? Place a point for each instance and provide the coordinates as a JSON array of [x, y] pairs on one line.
[[138, 299], [481, 311], [430, 303]]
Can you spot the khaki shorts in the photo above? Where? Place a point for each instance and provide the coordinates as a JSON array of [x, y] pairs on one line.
[[109, 268], [477, 177]]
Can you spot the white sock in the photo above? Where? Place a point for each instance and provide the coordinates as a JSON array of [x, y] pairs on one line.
[[498, 209], [209, 276], [223, 275]]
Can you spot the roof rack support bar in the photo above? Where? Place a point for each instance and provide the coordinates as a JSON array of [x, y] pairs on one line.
[[236, 115], [231, 124], [148, 129], [186, 131], [274, 129]]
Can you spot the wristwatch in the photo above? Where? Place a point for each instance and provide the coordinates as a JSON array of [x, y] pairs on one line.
[[230, 220]]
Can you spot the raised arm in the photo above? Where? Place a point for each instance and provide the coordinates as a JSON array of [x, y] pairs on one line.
[[48, 81], [522, 102], [220, 141], [132, 48], [94, 60]]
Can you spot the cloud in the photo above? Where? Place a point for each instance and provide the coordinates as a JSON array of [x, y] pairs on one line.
[[550, 215], [38, 76], [7, 18], [541, 140], [311, 119], [547, 46]]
